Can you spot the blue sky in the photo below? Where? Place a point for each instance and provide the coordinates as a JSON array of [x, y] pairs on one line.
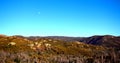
[[60, 17]]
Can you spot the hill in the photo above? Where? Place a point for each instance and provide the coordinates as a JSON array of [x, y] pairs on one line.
[[106, 40], [20, 49]]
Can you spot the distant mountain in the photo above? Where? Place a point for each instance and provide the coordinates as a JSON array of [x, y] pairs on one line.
[[106, 40], [63, 38]]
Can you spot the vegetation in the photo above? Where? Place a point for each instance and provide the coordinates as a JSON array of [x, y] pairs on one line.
[[15, 49]]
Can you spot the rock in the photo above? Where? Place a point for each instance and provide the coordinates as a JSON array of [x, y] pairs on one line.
[[12, 43]]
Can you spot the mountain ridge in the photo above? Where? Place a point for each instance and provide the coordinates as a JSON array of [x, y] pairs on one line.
[[104, 40]]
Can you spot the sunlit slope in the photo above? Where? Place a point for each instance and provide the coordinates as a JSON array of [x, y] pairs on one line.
[[48, 46]]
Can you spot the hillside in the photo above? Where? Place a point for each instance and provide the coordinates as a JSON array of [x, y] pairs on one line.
[[19, 49], [106, 40]]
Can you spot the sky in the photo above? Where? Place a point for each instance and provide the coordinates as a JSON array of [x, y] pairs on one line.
[[60, 17]]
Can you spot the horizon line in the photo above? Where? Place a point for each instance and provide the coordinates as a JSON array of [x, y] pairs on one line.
[[57, 35]]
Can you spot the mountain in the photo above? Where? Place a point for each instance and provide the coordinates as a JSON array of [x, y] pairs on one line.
[[106, 40], [59, 49]]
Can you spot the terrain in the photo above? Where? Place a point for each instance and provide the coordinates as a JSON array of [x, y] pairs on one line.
[[59, 49]]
